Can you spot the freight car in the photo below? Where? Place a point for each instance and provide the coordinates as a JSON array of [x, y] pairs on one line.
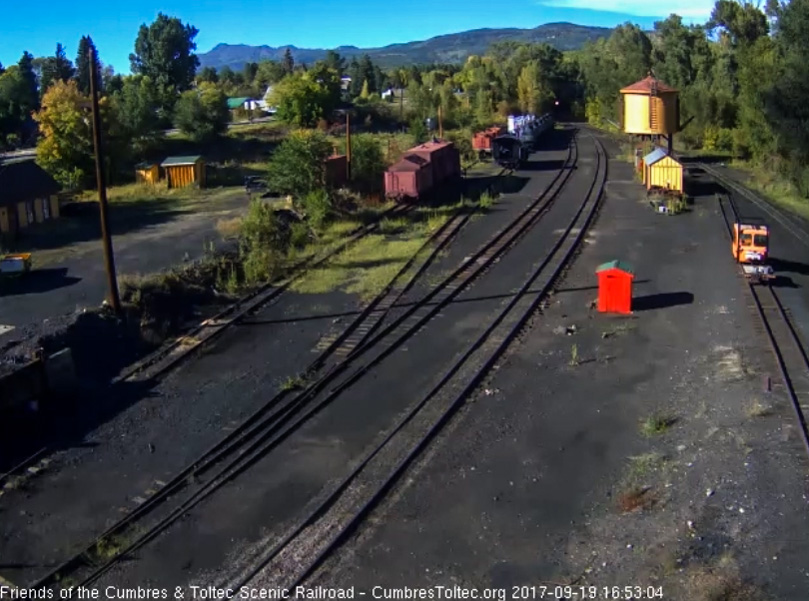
[[423, 169], [530, 129], [509, 151], [482, 140]]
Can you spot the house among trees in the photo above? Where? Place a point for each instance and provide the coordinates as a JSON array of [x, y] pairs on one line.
[[28, 195], [244, 102]]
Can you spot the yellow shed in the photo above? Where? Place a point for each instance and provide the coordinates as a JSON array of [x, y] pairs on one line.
[[147, 173], [650, 107], [184, 171], [662, 171]]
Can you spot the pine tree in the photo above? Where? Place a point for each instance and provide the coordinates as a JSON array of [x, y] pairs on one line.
[[26, 65], [365, 93], [56, 68], [83, 64], [288, 62]]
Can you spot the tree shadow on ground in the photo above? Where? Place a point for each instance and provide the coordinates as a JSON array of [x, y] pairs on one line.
[[784, 265], [536, 165], [555, 139], [699, 183], [38, 281], [707, 159], [661, 301], [80, 222]]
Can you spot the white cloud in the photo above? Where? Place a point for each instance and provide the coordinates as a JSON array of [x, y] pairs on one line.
[[688, 9]]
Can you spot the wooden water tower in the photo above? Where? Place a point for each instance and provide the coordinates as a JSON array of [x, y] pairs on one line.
[[651, 109]]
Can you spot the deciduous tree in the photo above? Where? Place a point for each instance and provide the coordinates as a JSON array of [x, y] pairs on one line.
[[297, 166], [202, 113], [65, 148]]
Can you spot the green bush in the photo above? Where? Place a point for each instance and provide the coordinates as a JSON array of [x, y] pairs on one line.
[[202, 114], [318, 207], [298, 165], [724, 139], [418, 129], [367, 161], [263, 242], [462, 138], [300, 235]]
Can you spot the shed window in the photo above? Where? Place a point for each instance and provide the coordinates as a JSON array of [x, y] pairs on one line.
[[46, 208], [29, 210]]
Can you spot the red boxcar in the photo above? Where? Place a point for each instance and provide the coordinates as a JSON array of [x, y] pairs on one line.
[[482, 140], [336, 174], [409, 178], [423, 167], [444, 158]]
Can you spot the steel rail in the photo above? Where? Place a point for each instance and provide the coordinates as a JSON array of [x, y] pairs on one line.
[[772, 338], [513, 330], [274, 422]]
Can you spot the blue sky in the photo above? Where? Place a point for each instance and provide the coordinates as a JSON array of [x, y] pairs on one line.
[[37, 27]]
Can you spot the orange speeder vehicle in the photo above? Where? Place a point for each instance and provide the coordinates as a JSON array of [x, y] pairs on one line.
[[751, 248]]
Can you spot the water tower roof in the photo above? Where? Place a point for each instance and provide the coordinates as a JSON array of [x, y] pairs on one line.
[[644, 86]]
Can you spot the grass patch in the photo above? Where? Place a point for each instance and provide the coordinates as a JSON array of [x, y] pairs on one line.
[[293, 383], [759, 409], [720, 582], [229, 229], [574, 356], [364, 269], [486, 201], [618, 330], [109, 547], [641, 467], [775, 187], [655, 425]]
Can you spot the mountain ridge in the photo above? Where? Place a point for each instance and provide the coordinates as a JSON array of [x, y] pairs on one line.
[[445, 48]]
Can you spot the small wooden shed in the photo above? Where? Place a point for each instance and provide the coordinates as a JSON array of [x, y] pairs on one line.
[[147, 173], [184, 171], [662, 171], [28, 195]]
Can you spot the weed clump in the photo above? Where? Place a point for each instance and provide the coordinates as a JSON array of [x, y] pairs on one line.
[[656, 424]]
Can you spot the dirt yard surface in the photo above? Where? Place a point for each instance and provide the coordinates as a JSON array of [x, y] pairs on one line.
[[282, 485], [647, 456], [85, 488], [69, 272]]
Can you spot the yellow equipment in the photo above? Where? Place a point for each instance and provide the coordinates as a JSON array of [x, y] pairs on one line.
[[15, 263], [751, 247]]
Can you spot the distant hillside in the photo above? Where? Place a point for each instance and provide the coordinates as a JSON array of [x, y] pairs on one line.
[[451, 48]]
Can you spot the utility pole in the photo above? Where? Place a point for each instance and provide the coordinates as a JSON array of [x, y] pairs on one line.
[[109, 259], [440, 124], [348, 146]]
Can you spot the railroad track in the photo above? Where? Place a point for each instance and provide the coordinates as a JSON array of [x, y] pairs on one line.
[[296, 557], [789, 222], [284, 414], [169, 356], [788, 349]]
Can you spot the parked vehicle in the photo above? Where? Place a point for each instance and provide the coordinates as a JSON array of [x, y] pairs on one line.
[[751, 247], [15, 264]]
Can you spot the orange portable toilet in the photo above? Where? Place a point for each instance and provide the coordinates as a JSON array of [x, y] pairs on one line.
[[615, 287]]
